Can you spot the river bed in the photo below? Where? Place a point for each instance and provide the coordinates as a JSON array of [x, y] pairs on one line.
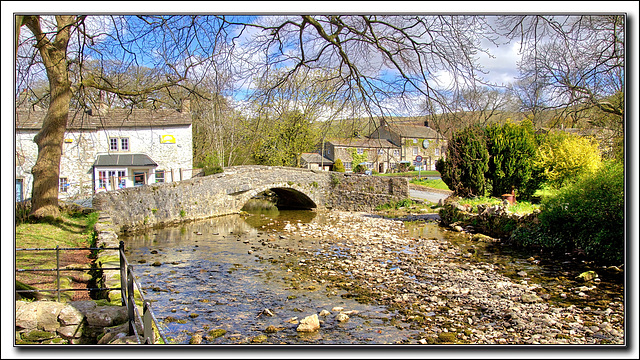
[[251, 279]]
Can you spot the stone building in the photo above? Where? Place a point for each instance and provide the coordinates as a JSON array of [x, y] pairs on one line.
[[377, 154], [414, 138], [315, 161], [108, 148]]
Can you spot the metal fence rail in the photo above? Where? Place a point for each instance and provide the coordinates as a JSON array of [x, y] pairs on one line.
[[146, 321]]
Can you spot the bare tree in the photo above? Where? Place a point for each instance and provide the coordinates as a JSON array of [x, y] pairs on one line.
[[65, 43], [577, 60], [374, 58]]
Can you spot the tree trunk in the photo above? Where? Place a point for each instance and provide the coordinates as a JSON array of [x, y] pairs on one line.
[[46, 171]]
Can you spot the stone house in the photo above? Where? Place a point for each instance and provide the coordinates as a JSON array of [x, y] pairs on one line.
[[108, 148], [315, 161], [413, 138], [378, 154]]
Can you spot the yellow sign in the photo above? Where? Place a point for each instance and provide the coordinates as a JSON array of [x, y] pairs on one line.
[[68, 141], [167, 139]]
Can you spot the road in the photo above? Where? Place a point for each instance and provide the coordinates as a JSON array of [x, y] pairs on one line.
[[432, 196]]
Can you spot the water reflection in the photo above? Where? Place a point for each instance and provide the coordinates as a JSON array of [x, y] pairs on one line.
[[222, 273]]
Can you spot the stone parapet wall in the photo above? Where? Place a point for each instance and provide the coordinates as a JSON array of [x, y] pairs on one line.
[[157, 205]]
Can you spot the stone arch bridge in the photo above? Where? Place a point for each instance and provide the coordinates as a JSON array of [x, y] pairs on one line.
[[226, 193]]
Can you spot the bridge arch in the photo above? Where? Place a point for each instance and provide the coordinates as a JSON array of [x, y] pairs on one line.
[[288, 197]]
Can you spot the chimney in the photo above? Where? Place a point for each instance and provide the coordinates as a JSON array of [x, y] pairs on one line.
[[186, 105], [101, 106]]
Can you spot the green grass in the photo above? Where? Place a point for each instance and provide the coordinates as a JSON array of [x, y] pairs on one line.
[[520, 207], [432, 183], [413, 173], [68, 231]]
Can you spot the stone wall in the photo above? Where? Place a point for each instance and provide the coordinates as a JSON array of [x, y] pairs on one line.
[[495, 221], [226, 193]]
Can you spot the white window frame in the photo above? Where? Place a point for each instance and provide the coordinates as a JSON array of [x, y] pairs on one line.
[[123, 141], [360, 151], [63, 186], [162, 178], [114, 146], [415, 150]]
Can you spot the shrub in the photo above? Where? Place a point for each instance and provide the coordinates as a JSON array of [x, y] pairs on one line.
[[210, 166], [359, 169], [563, 157], [466, 163], [338, 166], [588, 215], [512, 149]]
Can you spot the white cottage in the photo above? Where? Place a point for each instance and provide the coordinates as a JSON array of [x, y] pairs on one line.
[[105, 149]]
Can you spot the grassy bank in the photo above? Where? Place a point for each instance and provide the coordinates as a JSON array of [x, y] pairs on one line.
[[423, 173], [71, 230]]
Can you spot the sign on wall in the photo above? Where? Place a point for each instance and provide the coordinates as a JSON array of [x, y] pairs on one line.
[[167, 139]]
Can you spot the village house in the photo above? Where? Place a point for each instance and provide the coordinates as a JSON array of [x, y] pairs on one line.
[[315, 161], [108, 148], [413, 138], [376, 154]]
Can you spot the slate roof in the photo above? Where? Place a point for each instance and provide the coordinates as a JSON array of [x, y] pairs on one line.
[[414, 131], [31, 119], [124, 160], [362, 142], [315, 158]]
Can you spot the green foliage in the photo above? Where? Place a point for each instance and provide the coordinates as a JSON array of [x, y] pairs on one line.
[[396, 204], [210, 165], [287, 139], [358, 158], [466, 163], [335, 180], [512, 149], [563, 157], [587, 214], [338, 166], [359, 169]]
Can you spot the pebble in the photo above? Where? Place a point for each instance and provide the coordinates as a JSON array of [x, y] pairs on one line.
[[471, 295]]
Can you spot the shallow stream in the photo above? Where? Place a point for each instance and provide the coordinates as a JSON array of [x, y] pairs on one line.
[[235, 273]]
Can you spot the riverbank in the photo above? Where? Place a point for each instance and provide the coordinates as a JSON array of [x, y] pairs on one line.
[[448, 295]]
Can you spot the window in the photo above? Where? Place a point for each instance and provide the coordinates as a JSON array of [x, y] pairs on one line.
[[124, 144], [119, 144], [159, 176], [360, 151], [113, 144], [437, 152], [63, 185], [415, 150], [396, 152], [347, 165], [102, 179], [380, 151], [122, 179]]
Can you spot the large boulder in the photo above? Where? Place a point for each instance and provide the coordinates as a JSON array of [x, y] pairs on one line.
[[26, 315]]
